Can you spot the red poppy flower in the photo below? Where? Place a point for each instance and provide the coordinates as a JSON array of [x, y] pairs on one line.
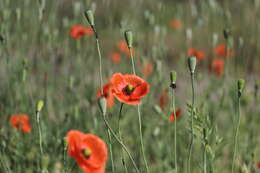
[[175, 24], [257, 165], [147, 69], [107, 94], [115, 57], [21, 121], [79, 31], [217, 66], [129, 88], [172, 116], [122, 46], [221, 50], [199, 54], [89, 151], [163, 99]]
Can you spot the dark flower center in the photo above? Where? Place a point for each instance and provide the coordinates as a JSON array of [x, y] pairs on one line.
[[128, 89]]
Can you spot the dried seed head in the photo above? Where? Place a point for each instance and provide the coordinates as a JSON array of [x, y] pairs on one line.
[[40, 105], [90, 17], [102, 105], [129, 38], [192, 61]]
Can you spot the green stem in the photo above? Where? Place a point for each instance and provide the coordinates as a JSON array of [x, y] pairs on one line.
[[39, 130], [192, 117], [100, 65], [111, 150], [120, 142], [175, 131], [120, 136], [205, 160], [139, 117], [236, 135]]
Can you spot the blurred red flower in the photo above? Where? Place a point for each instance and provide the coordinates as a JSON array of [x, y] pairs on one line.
[[123, 48], [217, 66], [177, 114], [257, 165], [221, 50], [199, 54], [89, 151], [163, 99], [175, 24], [21, 121], [79, 31], [147, 69], [115, 57], [129, 88], [107, 94]]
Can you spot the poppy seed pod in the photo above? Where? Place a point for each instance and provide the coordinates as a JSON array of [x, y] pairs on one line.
[[40, 105], [240, 86], [102, 105], [129, 38], [192, 63], [90, 17]]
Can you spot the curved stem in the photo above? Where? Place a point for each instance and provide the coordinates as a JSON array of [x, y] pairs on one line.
[[175, 131], [236, 135], [120, 137], [192, 117], [132, 60], [120, 142]]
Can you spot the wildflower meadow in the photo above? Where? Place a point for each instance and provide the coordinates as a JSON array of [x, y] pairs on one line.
[[120, 86]]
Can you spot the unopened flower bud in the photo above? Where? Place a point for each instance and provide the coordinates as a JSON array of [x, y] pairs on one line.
[[240, 86], [173, 77], [102, 103], [192, 61], [129, 38], [40, 105], [90, 17]]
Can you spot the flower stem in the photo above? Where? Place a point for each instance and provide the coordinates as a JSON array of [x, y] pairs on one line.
[[120, 137], [175, 131], [192, 117], [39, 131], [236, 134], [120, 142], [205, 160], [139, 117], [111, 150]]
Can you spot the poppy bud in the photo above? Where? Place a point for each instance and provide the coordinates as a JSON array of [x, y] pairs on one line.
[[173, 77], [90, 17], [129, 38], [240, 86], [192, 63], [102, 105], [40, 105]]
